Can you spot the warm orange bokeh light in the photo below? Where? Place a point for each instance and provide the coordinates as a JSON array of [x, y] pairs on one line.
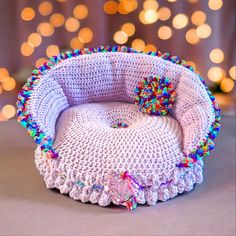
[[191, 36], [57, 19], [198, 17], [8, 84], [35, 39], [3, 74], [85, 35], [164, 32], [120, 37], [216, 55], [138, 44], [150, 4], [80, 11], [28, 14], [52, 50], [215, 4], [72, 24], [128, 28], [164, 13], [45, 29], [8, 111], [26, 49], [127, 6], [227, 85], [45, 8], [232, 72], [204, 31], [75, 43], [150, 47], [110, 7], [40, 62], [180, 21], [215, 74]]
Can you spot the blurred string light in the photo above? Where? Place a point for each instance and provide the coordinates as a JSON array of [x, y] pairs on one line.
[[110, 7], [216, 55], [57, 19], [215, 74], [226, 85], [138, 44], [52, 50], [27, 14], [232, 72], [204, 31], [76, 43], [215, 4], [127, 6], [85, 35], [45, 8], [3, 74], [149, 14], [120, 37], [40, 62], [191, 36], [80, 12], [198, 18], [180, 21], [45, 29], [34, 39], [72, 24], [8, 111], [149, 47], [164, 32], [7, 83], [128, 28], [123, 6], [164, 13], [150, 5], [26, 49]]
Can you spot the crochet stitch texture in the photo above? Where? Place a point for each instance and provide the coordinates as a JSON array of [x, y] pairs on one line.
[[74, 100]]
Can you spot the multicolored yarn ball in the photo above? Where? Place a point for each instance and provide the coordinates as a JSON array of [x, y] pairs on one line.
[[155, 95], [119, 125]]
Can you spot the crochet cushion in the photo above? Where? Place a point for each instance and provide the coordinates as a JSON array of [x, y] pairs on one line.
[[97, 145]]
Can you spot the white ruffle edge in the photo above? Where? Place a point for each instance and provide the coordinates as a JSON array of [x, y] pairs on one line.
[[87, 188]]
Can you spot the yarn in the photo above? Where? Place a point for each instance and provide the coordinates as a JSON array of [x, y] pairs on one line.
[[155, 95], [199, 120]]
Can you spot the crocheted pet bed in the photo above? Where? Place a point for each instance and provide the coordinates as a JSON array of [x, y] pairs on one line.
[[115, 125]]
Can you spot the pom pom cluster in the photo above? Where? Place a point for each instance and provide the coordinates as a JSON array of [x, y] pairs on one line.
[[155, 95], [119, 125]]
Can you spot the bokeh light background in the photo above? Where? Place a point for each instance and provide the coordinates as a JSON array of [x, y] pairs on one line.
[[200, 31]]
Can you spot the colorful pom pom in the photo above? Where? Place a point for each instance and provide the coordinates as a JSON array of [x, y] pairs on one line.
[[119, 125], [155, 95]]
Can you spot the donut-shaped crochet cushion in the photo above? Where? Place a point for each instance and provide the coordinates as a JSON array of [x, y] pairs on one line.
[[116, 125]]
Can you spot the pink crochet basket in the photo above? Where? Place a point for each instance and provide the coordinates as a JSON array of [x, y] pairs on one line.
[[115, 125]]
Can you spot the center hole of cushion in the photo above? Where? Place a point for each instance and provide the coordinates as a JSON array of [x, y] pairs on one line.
[[119, 125]]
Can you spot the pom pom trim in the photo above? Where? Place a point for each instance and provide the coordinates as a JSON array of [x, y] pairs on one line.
[[46, 142]]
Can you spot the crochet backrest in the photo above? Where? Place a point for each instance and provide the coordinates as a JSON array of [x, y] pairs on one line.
[[72, 79]]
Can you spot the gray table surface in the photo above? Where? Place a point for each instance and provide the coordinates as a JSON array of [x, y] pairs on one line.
[[28, 208]]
